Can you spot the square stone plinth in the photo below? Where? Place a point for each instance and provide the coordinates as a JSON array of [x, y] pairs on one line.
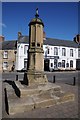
[[35, 96]]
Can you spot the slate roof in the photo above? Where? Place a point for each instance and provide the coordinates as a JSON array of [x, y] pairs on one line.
[[8, 45], [57, 42], [23, 39], [51, 41], [11, 45]]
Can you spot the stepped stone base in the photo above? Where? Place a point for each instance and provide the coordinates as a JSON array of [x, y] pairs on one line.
[[35, 96]]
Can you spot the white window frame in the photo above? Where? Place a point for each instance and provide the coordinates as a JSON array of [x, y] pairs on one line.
[[5, 65], [25, 49], [55, 51], [63, 51], [71, 52], [5, 54]]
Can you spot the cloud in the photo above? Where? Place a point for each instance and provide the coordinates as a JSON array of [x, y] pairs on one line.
[[3, 25]]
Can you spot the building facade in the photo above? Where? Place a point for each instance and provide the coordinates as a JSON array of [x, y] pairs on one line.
[[21, 52], [58, 54], [7, 55]]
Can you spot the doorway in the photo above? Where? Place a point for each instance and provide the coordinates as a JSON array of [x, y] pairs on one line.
[[46, 65]]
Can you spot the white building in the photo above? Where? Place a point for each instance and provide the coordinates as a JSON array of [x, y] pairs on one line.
[[22, 53], [58, 54]]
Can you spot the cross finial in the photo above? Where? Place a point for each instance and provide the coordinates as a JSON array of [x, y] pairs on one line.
[[36, 15]]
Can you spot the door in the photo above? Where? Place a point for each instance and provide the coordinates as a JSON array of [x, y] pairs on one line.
[[63, 63], [55, 63], [25, 64], [46, 65]]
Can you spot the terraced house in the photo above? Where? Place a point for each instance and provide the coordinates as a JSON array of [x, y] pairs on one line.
[[58, 54], [7, 55]]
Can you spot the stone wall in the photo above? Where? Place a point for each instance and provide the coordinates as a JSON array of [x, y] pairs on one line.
[[10, 60]]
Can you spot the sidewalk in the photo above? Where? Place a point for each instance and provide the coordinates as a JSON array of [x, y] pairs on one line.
[[65, 110]]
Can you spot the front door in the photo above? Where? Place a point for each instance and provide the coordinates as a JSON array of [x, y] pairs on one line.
[[55, 63], [46, 65], [25, 64], [63, 63]]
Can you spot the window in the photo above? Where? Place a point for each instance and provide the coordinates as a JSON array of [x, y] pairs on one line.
[[25, 49], [78, 52], [71, 63], [5, 65], [63, 63], [25, 63], [38, 44], [55, 51], [55, 63], [5, 54], [71, 52], [63, 52], [67, 64], [59, 64]]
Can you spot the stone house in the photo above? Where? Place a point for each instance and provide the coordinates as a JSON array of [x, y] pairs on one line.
[[7, 55]]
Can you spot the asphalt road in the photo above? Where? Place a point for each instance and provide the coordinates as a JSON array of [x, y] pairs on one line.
[[63, 77]]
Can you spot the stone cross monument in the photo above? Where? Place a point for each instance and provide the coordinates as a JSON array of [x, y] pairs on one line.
[[36, 58], [39, 93]]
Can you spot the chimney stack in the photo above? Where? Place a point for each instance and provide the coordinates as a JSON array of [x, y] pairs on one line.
[[77, 39], [1, 38], [44, 36], [19, 34]]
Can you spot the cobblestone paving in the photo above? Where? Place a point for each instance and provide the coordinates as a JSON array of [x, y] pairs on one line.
[[64, 110]]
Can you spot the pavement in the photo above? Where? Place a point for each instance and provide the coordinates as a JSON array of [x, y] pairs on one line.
[[64, 110]]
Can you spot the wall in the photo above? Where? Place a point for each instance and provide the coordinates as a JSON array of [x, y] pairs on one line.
[[11, 59], [20, 56]]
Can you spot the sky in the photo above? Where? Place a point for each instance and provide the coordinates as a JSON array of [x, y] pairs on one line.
[[60, 18]]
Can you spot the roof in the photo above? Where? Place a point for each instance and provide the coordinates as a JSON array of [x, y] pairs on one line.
[[23, 39], [51, 41], [12, 44], [58, 42], [36, 20], [8, 45]]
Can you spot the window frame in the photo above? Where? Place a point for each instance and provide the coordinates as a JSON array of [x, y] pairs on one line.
[[5, 55], [71, 52], [71, 64], [25, 48], [55, 51], [63, 51], [63, 63], [5, 68], [51, 64]]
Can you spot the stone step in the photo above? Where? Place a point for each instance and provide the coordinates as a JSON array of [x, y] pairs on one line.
[[27, 103], [37, 89]]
